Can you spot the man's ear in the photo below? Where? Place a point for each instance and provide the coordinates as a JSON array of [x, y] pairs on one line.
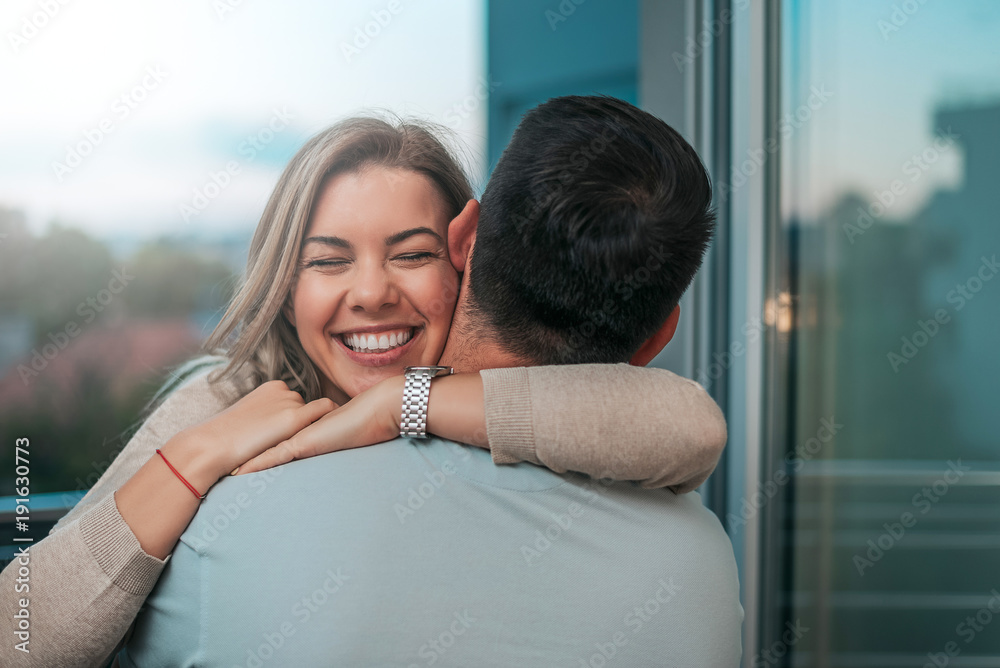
[[654, 344], [462, 235]]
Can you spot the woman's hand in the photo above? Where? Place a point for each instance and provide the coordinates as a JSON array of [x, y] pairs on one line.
[[263, 418], [369, 418]]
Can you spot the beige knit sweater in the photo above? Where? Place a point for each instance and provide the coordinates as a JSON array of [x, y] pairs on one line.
[[89, 576]]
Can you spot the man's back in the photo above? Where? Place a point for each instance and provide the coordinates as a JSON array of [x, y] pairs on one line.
[[427, 553]]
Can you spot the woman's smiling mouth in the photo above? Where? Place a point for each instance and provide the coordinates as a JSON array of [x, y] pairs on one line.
[[378, 346], [376, 342]]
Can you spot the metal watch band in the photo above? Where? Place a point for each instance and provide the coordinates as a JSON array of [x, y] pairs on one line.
[[416, 392]]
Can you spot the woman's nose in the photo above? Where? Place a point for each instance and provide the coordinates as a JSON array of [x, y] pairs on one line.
[[373, 289]]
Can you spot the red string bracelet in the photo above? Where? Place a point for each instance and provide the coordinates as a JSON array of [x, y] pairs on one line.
[[177, 473]]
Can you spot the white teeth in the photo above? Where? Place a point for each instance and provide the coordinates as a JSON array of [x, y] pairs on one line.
[[380, 342]]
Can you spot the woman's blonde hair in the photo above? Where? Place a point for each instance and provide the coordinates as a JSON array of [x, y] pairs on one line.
[[254, 339]]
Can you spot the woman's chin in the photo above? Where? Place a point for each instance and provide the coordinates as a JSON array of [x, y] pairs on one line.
[[356, 378], [374, 377]]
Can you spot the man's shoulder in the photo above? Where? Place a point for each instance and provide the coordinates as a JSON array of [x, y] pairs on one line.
[[386, 466], [462, 477]]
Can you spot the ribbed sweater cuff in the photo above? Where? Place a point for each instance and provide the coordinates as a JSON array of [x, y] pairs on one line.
[[507, 399], [117, 550]]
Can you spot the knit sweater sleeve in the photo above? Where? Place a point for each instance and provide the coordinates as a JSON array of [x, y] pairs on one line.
[[88, 578], [605, 420]]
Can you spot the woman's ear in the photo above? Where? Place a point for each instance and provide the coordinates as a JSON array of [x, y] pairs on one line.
[[289, 312], [462, 235]]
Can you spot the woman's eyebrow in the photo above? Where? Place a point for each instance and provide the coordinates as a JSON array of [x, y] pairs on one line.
[[327, 241], [393, 239]]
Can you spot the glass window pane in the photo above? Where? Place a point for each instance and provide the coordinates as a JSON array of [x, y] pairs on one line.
[[890, 118]]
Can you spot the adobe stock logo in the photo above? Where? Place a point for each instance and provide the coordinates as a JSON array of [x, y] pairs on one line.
[[967, 630], [960, 295], [915, 168], [223, 7], [121, 108], [461, 110], [421, 493], [899, 17], [922, 501], [562, 12], [363, 35], [88, 309], [32, 24], [218, 180], [635, 621]]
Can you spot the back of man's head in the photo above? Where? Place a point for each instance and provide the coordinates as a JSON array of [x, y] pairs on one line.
[[593, 224]]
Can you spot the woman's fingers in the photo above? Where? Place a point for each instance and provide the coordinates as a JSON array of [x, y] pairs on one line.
[[268, 415], [299, 443], [308, 420], [281, 420], [276, 456], [314, 410]]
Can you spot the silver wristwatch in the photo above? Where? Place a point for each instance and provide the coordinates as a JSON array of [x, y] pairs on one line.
[[416, 392]]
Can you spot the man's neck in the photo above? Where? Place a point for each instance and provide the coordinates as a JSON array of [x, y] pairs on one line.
[[471, 348], [478, 356]]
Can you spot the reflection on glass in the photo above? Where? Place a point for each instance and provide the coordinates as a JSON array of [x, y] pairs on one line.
[[889, 195]]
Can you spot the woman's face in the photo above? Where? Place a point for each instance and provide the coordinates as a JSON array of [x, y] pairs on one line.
[[375, 289]]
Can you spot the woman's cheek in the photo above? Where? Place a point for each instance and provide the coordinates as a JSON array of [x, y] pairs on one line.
[[315, 304], [444, 297], [305, 300], [438, 296]]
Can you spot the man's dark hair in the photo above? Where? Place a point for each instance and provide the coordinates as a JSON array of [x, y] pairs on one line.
[[592, 226]]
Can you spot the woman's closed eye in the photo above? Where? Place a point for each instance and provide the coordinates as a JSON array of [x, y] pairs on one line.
[[416, 256], [326, 263]]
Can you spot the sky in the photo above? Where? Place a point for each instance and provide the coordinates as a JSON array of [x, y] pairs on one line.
[[887, 71], [141, 119], [226, 69]]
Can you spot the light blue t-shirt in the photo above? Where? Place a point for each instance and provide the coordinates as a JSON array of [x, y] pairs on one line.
[[426, 553]]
